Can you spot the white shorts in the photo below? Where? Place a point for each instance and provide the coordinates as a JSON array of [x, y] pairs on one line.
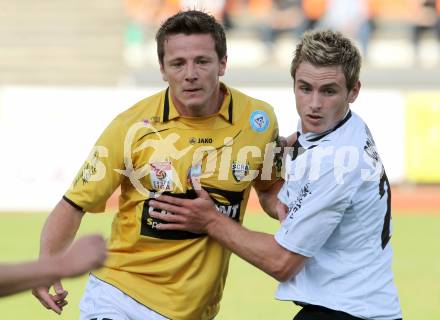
[[102, 301]]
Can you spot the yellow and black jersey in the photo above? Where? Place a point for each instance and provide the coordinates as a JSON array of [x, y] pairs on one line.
[[150, 148]]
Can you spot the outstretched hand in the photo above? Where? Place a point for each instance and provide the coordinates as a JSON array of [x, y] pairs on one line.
[[85, 254], [54, 302], [194, 215]]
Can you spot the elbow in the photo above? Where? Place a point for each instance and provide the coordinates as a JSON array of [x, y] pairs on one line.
[[283, 272], [283, 276], [281, 263], [286, 265]]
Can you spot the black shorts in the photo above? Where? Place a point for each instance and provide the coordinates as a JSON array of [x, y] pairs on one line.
[[312, 312]]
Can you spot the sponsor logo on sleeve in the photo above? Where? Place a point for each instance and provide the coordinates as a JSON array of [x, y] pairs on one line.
[[297, 204]]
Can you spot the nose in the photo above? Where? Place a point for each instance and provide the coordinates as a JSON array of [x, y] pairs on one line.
[[315, 101], [191, 74]]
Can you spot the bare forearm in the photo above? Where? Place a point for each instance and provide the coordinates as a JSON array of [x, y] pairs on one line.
[[201, 216], [24, 276], [60, 229], [257, 248]]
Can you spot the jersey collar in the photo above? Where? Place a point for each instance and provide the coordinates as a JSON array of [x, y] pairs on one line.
[[310, 140], [226, 109], [313, 137]]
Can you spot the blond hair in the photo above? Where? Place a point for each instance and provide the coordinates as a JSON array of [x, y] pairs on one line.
[[328, 48]]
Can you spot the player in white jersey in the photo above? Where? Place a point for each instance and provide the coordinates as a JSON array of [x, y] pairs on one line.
[[332, 253], [338, 200]]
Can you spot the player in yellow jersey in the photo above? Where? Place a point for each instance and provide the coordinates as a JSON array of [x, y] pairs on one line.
[[198, 129]]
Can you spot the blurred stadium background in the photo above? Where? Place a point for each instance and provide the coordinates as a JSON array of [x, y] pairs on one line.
[[68, 67]]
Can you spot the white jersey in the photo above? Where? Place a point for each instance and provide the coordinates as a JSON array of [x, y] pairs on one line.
[[339, 216]]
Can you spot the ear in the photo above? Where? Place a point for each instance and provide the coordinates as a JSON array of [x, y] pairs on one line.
[[352, 95], [162, 71], [222, 69]]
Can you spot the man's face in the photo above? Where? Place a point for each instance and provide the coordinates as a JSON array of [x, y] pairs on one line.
[[192, 69], [321, 96]]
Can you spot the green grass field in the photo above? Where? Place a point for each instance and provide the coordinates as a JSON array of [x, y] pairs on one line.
[[249, 292]]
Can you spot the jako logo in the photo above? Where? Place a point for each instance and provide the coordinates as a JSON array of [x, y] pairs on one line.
[[204, 140], [194, 140]]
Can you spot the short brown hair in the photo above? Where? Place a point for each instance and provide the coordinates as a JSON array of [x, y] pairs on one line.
[[191, 22], [328, 48]]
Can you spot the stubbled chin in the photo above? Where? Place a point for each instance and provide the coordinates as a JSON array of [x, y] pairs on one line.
[[314, 128], [191, 103]]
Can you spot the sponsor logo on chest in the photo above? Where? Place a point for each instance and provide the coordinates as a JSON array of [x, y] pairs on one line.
[[231, 211]]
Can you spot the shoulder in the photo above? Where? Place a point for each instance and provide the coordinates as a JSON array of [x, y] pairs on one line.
[[256, 115], [352, 134], [244, 103], [142, 114], [147, 109]]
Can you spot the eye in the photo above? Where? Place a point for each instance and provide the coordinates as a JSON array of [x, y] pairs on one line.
[[304, 88], [329, 91], [202, 61], [176, 64]]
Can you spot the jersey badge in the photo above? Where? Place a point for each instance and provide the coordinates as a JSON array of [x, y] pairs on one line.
[[239, 170], [259, 121], [161, 174]]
